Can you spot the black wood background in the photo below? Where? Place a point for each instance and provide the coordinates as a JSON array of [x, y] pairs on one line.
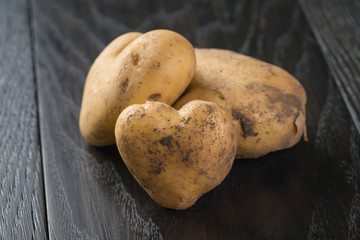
[[22, 204], [54, 185]]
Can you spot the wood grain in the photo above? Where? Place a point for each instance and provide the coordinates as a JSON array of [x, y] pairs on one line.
[[336, 25], [22, 204], [308, 191]]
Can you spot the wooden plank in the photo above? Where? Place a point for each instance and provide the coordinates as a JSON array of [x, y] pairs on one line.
[[308, 191], [22, 204], [336, 25]]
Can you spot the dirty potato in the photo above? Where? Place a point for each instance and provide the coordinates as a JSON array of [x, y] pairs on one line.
[[134, 68], [176, 156], [266, 103]]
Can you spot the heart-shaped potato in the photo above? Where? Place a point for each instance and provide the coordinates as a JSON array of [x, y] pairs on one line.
[[176, 156], [134, 68]]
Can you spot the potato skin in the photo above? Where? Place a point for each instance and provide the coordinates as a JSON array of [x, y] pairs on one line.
[[134, 68], [176, 156], [266, 103]]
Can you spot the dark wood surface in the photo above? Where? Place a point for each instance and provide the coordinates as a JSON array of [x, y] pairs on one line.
[[336, 25], [310, 191], [22, 204]]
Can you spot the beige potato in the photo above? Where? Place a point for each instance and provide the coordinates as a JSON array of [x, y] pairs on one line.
[[267, 104], [176, 156], [134, 68]]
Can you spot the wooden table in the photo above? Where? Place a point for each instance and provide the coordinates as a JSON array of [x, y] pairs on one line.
[[54, 185]]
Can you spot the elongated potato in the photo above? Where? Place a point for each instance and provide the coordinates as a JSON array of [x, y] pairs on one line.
[[176, 156], [134, 68], [266, 103]]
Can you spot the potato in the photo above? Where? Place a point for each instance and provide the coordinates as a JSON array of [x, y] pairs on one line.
[[176, 156], [134, 68], [267, 104]]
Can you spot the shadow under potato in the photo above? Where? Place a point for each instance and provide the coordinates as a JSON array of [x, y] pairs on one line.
[[263, 197]]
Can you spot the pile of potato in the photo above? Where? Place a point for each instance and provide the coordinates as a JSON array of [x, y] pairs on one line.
[[180, 116]]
